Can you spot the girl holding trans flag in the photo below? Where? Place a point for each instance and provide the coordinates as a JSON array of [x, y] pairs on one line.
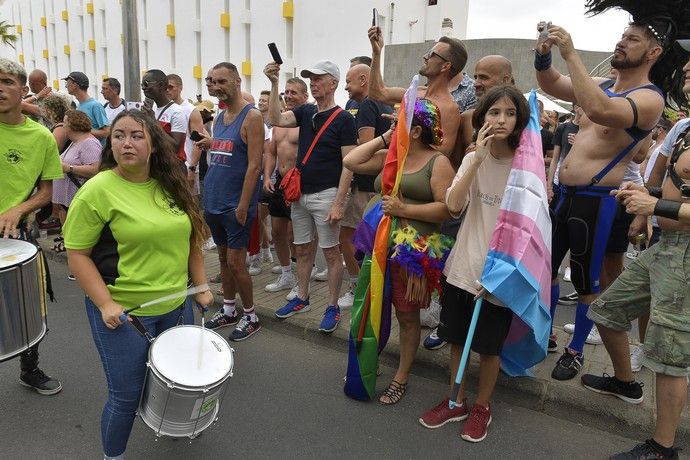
[[499, 119], [418, 249]]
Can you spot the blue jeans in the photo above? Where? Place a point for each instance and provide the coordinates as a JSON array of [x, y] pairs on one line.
[[124, 353]]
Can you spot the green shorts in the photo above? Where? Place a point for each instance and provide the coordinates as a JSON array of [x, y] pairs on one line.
[[656, 283]]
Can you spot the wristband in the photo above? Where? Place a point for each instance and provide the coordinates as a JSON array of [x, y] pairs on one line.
[[385, 144], [654, 191], [542, 61], [667, 208]]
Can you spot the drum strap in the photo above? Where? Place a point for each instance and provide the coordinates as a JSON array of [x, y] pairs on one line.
[[140, 328], [25, 234]]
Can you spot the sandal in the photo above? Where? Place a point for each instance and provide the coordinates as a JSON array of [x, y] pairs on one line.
[[59, 246], [394, 393], [215, 279]]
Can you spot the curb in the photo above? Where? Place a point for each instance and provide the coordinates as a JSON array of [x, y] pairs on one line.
[[558, 399]]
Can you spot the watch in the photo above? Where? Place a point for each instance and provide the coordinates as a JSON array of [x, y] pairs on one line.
[[192, 168]]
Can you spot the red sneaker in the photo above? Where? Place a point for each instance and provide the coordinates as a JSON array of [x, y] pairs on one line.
[[476, 426], [442, 414]]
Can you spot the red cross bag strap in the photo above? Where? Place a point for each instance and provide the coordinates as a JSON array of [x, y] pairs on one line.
[[290, 185]]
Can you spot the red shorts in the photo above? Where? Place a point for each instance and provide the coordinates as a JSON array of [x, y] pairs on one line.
[[399, 287]]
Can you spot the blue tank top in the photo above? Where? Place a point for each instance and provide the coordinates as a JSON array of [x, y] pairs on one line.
[[225, 176]]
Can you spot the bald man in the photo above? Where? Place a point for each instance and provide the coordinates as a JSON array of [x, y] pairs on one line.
[[370, 124], [490, 71], [31, 105]]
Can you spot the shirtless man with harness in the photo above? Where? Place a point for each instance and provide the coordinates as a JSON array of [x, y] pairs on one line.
[[620, 113]]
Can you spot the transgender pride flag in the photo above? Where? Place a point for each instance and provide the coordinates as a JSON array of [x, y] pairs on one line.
[[518, 265]]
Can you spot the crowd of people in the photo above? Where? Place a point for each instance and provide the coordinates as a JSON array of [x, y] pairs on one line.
[[141, 192]]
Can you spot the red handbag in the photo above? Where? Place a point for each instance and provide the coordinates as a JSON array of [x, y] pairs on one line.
[[291, 183]]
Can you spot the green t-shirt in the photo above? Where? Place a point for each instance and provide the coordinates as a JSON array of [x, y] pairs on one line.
[[139, 239], [28, 153]]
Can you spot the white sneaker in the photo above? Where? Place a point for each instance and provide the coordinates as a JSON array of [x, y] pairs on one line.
[[293, 293], [346, 300], [266, 256], [321, 276], [276, 270], [636, 358], [208, 245], [314, 270], [284, 281], [566, 275], [255, 265], [593, 338]]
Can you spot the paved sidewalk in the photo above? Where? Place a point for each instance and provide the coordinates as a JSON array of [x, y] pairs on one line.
[[567, 399]]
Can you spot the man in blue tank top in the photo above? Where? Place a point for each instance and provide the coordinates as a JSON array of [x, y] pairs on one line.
[[231, 194], [324, 182], [619, 114]]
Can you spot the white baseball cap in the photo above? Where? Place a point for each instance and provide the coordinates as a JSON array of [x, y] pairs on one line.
[[322, 68], [685, 44]]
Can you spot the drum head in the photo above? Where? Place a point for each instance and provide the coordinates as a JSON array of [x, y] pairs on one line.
[[191, 356], [14, 252]]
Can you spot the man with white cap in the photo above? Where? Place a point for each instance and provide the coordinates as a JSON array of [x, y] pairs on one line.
[[328, 133]]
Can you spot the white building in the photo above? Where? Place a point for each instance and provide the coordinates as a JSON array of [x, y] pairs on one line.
[[187, 37]]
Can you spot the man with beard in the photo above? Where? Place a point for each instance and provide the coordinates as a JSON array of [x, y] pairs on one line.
[[619, 114], [440, 64], [654, 284]]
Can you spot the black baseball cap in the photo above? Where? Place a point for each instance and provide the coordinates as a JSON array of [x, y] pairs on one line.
[[79, 78]]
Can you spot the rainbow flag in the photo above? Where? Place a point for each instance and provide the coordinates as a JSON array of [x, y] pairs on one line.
[[518, 265], [371, 310]]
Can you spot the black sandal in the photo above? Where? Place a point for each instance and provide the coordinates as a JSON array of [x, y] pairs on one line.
[[394, 393]]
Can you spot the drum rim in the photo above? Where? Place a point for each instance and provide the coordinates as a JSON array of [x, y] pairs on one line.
[[172, 383], [23, 261]]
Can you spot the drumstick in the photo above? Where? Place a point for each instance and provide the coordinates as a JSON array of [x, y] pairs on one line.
[[201, 338], [176, 295], [165, 298]]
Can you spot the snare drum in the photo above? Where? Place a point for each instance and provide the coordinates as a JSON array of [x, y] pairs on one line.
[[187, 377], [22, 298]]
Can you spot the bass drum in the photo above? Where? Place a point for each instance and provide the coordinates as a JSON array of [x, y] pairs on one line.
[[188, 372], [22, 298]]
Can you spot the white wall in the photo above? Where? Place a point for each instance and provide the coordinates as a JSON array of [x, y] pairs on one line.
[[320, 29]]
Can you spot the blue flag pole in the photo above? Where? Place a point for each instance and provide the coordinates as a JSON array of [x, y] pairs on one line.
[[452, 403]]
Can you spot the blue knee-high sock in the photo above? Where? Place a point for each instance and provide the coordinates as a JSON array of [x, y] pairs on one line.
[[583, 326], [555, 294]]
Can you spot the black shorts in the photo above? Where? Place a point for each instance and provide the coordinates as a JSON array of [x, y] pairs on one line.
[[276, 202], [581, 223], [618, 239], [493, 324]]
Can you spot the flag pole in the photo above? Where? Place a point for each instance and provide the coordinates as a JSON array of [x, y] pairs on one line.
[[452, 403]]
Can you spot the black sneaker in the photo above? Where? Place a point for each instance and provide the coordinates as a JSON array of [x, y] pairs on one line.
[[220, 319], [568, 366], [40, 382], [245, 329], [569, 299], [553, 345], [627, 391], [644, 451]]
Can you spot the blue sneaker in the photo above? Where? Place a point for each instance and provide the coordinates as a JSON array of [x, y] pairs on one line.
[[433, 342], [331, 319], [245, 329], [293, 307]]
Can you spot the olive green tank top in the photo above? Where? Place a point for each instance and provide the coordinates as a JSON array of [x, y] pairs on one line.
[[415, 188]]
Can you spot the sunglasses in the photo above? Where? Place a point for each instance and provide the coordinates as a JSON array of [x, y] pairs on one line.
[[313, 122], [145, 84], [429, 54]]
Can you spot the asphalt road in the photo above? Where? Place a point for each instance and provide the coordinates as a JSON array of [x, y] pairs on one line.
[[285, 400]]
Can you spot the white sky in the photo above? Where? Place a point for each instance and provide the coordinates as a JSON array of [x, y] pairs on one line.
[[519, 18]]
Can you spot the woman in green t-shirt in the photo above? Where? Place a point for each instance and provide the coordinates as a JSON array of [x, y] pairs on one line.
[[133, 233]]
